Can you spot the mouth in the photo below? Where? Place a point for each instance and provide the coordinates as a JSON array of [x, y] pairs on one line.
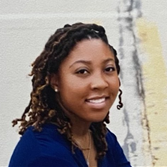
[[96, 101]]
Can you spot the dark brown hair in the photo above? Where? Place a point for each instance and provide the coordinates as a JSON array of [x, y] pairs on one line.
[[44, 105]]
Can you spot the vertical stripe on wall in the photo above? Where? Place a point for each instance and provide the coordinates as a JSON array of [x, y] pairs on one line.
[[155, 85]]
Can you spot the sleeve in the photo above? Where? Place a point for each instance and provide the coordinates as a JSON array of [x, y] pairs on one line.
[[116, 151], [29, 153]]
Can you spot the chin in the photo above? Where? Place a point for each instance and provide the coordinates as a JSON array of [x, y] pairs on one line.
[[98, 119]]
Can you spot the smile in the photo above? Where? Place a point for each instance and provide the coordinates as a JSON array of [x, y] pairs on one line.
[[97, 101]]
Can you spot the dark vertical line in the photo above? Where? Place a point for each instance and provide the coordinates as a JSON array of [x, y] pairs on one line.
[[126, 23]]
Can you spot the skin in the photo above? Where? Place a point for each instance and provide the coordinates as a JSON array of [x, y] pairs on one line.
[[87, 84]]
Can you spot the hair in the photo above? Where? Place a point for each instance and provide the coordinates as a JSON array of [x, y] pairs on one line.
[[44, 105]]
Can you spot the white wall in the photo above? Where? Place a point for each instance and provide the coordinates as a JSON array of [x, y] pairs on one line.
[[25, 26]]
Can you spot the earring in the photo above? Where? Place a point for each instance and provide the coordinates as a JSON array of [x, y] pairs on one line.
[[56, 90], [120, 104]]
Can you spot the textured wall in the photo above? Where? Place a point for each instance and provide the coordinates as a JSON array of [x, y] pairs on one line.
[[135, 28]]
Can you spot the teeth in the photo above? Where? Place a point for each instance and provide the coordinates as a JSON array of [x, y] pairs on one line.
[[97, 100]]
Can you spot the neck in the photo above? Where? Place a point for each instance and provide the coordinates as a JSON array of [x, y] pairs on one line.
[[80, 131], [80, 128], [83, 142]]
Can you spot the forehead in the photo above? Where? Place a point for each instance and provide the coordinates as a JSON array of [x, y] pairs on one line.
[[90, 49]]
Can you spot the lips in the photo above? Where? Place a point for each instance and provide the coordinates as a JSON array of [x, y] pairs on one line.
[[96, 101]]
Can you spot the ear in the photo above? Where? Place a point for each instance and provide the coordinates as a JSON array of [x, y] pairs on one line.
[[54, 81]]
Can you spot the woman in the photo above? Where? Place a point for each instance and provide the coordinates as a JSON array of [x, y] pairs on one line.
[[75, 82]]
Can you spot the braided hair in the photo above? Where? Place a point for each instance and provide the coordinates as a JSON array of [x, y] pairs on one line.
[[44, 105]]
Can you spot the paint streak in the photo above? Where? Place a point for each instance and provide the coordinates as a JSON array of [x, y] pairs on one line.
[[155, 84], [133, 91]]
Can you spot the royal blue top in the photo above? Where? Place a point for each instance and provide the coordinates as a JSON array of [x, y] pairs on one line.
[[49, 148]]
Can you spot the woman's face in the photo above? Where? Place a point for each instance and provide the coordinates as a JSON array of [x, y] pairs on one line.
[[87, 81]]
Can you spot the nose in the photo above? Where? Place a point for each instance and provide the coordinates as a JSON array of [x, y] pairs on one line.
[[98, 81]]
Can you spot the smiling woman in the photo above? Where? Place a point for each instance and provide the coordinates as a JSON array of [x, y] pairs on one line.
[[75, 82]]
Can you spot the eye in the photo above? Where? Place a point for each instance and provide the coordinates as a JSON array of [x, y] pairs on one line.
[[82, 71], [110, 69]]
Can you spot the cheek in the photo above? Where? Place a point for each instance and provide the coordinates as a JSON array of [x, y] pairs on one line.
[[114, 86], [71, 87], [66, 81]]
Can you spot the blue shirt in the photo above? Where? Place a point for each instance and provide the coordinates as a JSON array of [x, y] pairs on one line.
[[49, 148]]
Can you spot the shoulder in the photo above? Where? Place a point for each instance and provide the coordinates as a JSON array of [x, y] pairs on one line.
[[111, 137], [48, 139], [115, 151], [113, 144], [35, 147]]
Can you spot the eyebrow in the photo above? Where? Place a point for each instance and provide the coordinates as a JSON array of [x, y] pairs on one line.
[[89, 62], [109, 59], [81, 61]]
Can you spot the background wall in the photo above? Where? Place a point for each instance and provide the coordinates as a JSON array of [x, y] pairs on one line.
[[137, 29]]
